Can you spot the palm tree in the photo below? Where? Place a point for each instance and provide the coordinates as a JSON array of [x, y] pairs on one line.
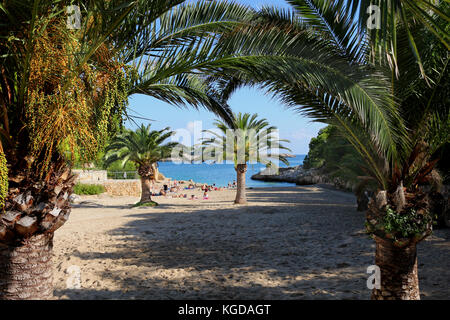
[[64, 91], [318, 61], [247, 139], [59, 88], [144, 148]]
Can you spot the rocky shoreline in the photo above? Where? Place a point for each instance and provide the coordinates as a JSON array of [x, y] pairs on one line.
[[302, 177]]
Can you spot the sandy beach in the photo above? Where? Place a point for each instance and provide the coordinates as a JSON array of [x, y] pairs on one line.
[[287, 243]]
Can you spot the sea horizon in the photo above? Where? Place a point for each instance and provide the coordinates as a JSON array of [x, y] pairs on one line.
[[222, 174]]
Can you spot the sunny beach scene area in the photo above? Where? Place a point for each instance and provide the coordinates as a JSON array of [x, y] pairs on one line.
[[224, 150]]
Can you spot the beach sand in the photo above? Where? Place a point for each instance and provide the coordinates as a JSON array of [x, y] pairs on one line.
[[287, 243]]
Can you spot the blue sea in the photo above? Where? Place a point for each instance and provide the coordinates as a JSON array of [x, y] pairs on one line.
[[221, 174]]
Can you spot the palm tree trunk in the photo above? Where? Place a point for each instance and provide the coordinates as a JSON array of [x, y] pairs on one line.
[[147, 174], [26, 271], [33, 210], [146, 194], [398, 267], [241, 197]]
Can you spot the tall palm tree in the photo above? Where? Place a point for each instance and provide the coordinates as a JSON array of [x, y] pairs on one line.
[[144, 148], [246, 139], [63, 91], [59, 88], [318, 61]]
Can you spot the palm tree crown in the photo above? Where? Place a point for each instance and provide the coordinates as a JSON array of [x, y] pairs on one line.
[[247, 139], [142, 147]]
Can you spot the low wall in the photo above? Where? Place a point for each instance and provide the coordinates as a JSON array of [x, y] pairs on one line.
[[122, 187], [112, 187]]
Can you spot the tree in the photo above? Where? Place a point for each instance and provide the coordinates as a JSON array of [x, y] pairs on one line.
[[144, 148], [319, 60], [247, 139], [64, 91], [414, 42], [58, 91]]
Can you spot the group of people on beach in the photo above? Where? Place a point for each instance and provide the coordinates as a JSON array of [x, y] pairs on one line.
[[172, 190]]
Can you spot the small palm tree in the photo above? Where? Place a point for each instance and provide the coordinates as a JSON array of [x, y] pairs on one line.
[[252, 139], [143, 147]]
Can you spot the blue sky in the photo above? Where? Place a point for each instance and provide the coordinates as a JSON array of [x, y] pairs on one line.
[[292, 126]]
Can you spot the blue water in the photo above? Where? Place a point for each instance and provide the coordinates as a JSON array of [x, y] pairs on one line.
[[220, 174]]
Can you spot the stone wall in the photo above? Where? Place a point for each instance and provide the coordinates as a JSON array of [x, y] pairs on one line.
[[112, 187], [123, 187]]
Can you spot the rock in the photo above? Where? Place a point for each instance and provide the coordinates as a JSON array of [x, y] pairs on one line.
[[297, 175]]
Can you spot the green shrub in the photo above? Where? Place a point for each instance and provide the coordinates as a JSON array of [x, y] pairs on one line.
[[88, 189], [335, 156]]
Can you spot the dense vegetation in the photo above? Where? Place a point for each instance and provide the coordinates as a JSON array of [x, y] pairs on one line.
[[335, 157]]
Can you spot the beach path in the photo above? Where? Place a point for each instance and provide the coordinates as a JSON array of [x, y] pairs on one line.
[[287, 243]]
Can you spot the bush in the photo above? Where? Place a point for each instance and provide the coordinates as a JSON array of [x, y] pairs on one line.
[[88, 189]]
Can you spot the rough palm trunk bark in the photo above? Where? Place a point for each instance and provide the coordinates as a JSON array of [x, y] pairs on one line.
[[147, 174], [146, 194], [241, 197], [396, 253], [26, 269], [398, 267], [34, 209]]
